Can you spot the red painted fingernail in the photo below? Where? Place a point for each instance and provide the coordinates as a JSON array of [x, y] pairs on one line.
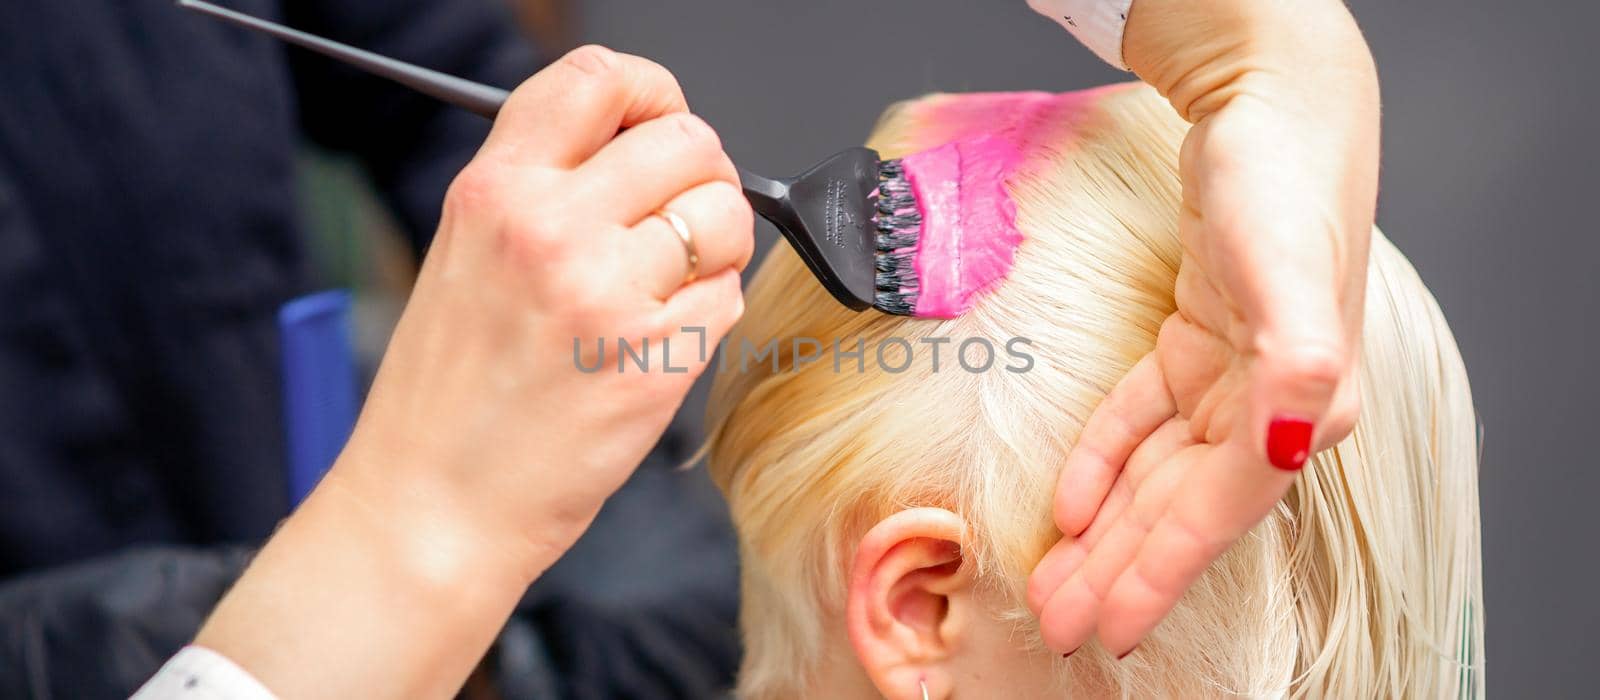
[[1288, 443]]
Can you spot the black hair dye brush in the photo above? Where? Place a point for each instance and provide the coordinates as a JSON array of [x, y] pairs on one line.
[[852, 218]]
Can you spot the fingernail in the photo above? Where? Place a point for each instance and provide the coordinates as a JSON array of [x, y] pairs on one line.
[[1288, 443], [1126, 653], [1067, 655]]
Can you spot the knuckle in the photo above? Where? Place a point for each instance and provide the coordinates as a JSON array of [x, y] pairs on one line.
[[586, 307], [532, 235], [694, 133], [592, 60], [530, 243], [1317, 366], [653, 72], [730, 206], [536, 235], [478, 186]]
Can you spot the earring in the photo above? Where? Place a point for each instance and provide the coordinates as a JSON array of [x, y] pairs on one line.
[[924, 685]]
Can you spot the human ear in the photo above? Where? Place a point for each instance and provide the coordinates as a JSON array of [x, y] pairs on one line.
[[910, 602]]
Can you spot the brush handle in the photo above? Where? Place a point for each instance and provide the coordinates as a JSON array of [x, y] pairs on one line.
[[768, 197], [475, 97]]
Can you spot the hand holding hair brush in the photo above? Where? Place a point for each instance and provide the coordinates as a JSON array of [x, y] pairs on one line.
[[852, 218]]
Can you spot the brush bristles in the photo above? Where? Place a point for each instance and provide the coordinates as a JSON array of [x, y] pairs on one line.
[[899, 222]]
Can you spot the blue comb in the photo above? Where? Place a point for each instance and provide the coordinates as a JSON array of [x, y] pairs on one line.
[[319, 385]]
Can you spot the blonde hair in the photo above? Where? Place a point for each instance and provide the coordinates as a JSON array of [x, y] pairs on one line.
[[1365, 582]]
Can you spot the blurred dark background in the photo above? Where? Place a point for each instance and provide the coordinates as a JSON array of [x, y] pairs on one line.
[[1489, 175]]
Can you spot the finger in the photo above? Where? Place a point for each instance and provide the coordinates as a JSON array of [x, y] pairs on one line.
[[1228, 491], [636, 174], [688, 327], [1193, 361], [1200, 302], [1069, 616], [1070, 560], [1302, 351], [1062, 560], [1294, 276], [566, 112], [702, 312], [1152, 454], [1137, 405], [1162, 445], [1341, 417], [721, 231], [1053, 570], [1294, 381]]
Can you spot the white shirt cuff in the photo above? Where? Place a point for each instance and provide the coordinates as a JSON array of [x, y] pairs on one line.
[[1096, 23], [197, 673]]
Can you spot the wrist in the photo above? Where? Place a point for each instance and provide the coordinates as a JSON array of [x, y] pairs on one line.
[[1203, 55], [368, 586], [438, 525]]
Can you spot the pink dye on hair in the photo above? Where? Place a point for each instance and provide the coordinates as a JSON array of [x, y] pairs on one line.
[[969, 231], [969, 234]]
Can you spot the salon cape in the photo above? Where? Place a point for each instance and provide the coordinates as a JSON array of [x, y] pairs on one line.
[[197, 673]]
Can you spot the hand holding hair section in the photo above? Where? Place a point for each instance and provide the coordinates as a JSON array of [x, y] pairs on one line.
[[1340, 592]]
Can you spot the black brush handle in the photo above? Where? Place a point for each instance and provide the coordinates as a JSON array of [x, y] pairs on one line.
[[474, 97], [766, 195], [845, 271]]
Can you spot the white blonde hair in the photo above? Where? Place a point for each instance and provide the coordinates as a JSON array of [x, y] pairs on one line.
[[1365, 582]]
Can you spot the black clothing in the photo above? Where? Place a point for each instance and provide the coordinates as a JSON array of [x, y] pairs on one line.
[[149, 233], [643, 608], [148, 236]]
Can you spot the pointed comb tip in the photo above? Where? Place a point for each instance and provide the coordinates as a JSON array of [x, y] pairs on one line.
[[484, 100]]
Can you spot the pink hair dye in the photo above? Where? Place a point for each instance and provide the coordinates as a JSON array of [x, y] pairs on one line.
[[969, 234]]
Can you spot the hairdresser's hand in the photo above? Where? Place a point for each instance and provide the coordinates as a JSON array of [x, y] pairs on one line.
[[1256, 370], [498, 386], [483, 451]]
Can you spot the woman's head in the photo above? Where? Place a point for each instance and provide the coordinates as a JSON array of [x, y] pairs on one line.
[[891, 478]]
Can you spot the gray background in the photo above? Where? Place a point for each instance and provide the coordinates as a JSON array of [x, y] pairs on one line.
[[1489, 186]]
